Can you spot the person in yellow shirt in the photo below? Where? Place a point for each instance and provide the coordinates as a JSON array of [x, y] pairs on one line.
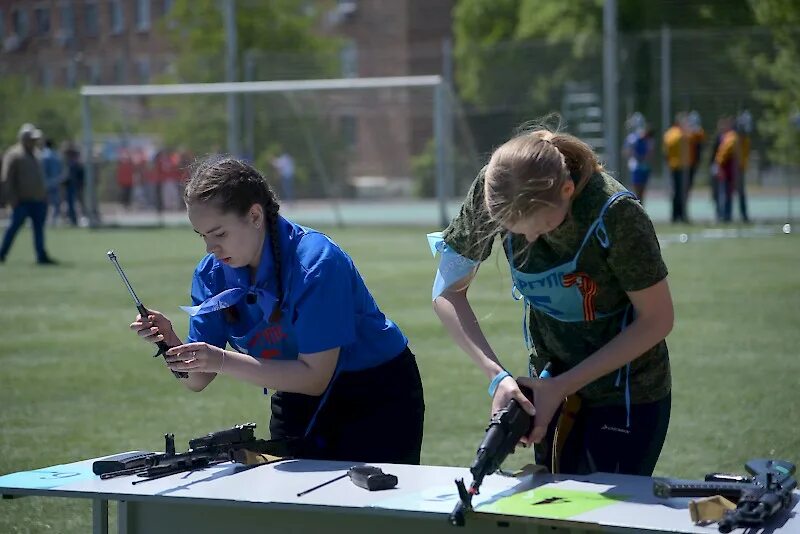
[[677, 154], [727, 167]]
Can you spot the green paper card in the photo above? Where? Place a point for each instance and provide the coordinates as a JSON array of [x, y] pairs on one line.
[[550, 503]]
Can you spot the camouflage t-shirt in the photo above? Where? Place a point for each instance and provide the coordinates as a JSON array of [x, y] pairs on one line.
[[631, 263]]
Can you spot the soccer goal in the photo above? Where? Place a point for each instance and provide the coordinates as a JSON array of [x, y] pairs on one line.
[[338, 151]]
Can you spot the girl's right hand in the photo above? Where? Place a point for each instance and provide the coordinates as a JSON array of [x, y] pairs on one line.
[[508, 389], [154, 328]]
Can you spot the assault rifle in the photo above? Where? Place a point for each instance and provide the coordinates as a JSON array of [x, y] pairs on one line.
[[237, 444], [506, 427], [758, 497]]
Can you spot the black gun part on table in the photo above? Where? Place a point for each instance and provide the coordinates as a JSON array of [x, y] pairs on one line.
[[162, 346], [214, 448], [367, 477], [505, 429], [758, 497]]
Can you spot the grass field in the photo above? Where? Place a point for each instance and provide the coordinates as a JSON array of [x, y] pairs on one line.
[[74, 383]]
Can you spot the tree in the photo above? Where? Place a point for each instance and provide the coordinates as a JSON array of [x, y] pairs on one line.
[[55, 112], [276, 40], [781, 67]]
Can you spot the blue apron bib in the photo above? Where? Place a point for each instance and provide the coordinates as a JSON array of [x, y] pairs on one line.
[[565, 294]]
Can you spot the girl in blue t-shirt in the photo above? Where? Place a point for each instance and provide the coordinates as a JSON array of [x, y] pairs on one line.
[[300, 321]]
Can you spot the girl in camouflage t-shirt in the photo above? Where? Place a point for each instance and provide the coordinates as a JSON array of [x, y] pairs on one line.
[[586, 262]]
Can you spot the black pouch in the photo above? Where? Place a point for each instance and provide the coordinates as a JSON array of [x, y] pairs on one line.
[[121, 462]]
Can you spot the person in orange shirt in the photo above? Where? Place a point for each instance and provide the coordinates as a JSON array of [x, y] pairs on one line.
[[727, 168], [676, 151]]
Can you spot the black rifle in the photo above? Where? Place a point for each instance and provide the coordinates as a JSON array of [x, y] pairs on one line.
[[506, 427], [214, 448], [758, 497]]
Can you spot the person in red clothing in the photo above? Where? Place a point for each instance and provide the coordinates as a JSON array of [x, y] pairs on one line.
[[125, 177]]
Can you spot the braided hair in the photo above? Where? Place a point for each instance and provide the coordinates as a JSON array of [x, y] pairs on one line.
[[234, 186]]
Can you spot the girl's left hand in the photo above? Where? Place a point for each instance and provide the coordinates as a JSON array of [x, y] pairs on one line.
[[547, 397], [195, 358]]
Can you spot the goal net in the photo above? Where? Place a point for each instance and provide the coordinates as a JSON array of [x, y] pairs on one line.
[[337, 151]]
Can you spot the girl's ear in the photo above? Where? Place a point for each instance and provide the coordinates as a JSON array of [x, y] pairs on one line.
[[256, 215], [567, 190]]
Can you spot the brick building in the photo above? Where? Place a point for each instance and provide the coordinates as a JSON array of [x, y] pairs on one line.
[[67, 43]]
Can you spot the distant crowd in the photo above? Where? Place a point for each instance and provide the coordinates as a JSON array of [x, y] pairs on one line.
[[683, 145]]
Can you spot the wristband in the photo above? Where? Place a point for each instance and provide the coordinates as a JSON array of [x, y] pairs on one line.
[[496, 381]]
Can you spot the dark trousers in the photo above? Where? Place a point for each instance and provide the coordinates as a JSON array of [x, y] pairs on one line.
[[601, 440], [680, 183], [742, 193], [37, 212], [374, 415]]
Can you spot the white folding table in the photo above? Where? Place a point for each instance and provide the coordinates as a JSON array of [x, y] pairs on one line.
[[230, 497]]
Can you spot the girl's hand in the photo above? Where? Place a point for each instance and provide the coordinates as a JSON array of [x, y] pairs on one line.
[[154, 328], [508, 389], [196, 358], [547, 397]]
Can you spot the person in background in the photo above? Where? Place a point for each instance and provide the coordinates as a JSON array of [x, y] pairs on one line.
[[638, 149], [726, 161], [713, 168], [300, 321], [697, 138], [74, 183], [676, 151], [744, 131], [24, 189], [586, 262], [125, 170], [284, 165], [53, 179]]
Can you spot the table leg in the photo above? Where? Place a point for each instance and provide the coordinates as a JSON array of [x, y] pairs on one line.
[[99, 516]]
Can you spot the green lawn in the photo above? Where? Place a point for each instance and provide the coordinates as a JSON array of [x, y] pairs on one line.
[[76, 384]]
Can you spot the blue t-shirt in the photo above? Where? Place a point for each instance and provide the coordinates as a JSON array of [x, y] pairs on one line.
[[325, 304]]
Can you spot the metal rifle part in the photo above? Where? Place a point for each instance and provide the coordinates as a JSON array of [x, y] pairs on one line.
[[162, 345], [505, 429], [367, 477], [758, 499], [331, 481]]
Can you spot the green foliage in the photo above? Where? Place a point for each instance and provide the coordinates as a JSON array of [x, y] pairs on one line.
[[518, 54], [780, 66], [423, 169], [55, 112]]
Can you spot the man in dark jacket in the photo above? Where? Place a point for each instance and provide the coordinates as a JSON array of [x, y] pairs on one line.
[[24, 189]]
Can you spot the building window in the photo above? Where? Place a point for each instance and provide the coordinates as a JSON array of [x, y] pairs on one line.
[[67, 21], [143, 69], [2, 27], [119, 71], [142, 15], [116, 17], [92, 25], [349, 59], [19, 23], [42, 15]]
